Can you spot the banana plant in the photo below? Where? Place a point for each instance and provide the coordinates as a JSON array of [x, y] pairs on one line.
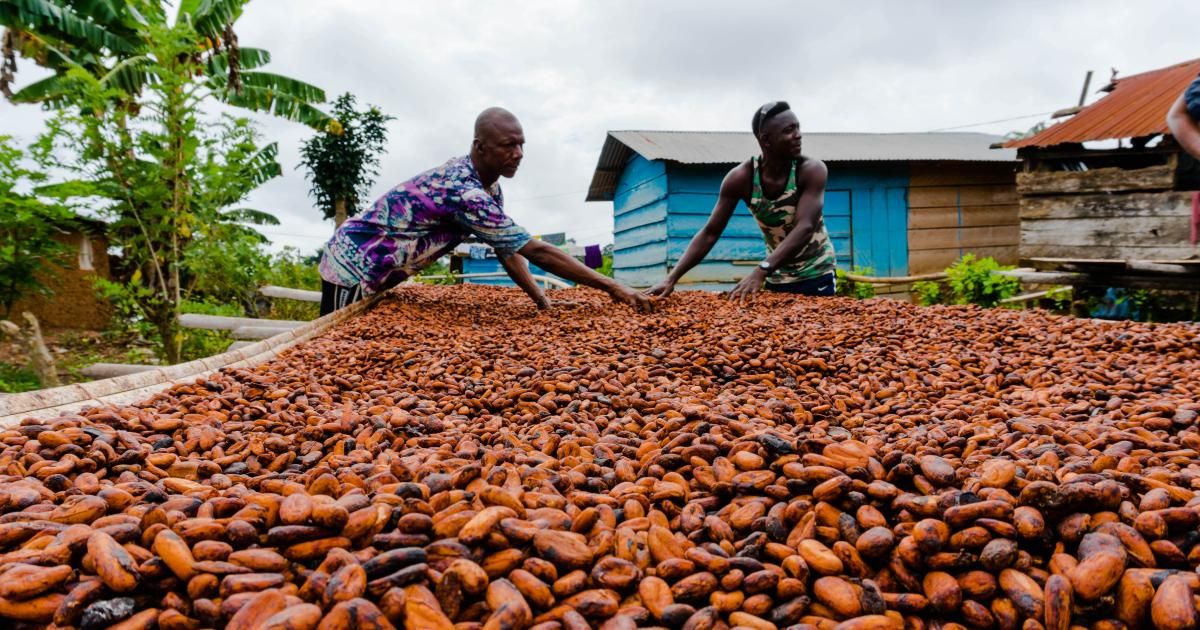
[[115, 42]]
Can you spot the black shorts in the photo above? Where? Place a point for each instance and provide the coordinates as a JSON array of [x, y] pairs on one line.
[[821, 285], [335, 296]]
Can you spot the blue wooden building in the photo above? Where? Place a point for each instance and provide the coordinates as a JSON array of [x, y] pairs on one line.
[[899, 204], [491, 264]]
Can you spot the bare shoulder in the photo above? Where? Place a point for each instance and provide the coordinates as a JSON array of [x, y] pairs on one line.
[[738, 180], [813, 170]]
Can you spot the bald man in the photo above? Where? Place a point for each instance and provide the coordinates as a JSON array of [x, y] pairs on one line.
[[425, 217]]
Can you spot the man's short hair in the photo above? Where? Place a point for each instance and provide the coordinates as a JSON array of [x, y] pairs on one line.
[[767, 112], [1191, 98]]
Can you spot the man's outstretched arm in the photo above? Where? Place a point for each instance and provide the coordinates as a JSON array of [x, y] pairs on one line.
[[1184, 128], [561, 264], [703, 241], [518, 269]]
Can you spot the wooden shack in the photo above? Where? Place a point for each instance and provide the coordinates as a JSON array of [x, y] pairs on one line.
[[899, 204], [73, 301], [1108, 195]]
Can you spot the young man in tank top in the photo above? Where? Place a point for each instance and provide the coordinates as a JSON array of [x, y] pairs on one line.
[[1184, 119], [785, 192]]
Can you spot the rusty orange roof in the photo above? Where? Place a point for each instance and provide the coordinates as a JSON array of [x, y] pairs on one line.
[[1136, 106]]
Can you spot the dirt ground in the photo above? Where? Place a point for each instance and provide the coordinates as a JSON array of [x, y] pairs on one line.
[[74, 350]]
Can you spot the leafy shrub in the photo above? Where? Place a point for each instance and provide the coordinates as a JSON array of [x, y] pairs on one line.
[[438, 268], [289, 268], [225, 267], [1061, 298], [927, 293], [15, 379], [858, 290], [128, 318], [971, 280], [198, 343]]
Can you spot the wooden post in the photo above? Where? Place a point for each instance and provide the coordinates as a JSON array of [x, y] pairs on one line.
[[35, 346]]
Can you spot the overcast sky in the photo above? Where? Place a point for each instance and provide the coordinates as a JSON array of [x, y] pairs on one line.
[[573, 69]]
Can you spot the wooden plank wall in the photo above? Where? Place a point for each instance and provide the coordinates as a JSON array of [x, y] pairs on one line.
[[640, 223], [960, 207], [1134, 226]]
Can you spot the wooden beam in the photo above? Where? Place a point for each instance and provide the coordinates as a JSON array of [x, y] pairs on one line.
[[109, 370], [1147, 232], [964, 237], [258, 332], [1025, 297], [302, 295], [1168, 283], [219, 322], [1176, 203], [896, 279], [1195, 263], [1096, 181], [1163, 268], [956, 196], [970, 216], [1121, 251], [1086, 265], [1043, 277]]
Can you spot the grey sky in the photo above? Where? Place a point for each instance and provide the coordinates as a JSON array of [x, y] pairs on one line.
[[572, 69]]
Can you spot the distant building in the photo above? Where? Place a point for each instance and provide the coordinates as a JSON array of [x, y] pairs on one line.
[[1108, 193], [74, 302], [477, 258], [900, 204]]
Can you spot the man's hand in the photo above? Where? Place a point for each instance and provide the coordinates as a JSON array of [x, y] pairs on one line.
[[749, 285], [662, 289], [639, 301], [542, 302]]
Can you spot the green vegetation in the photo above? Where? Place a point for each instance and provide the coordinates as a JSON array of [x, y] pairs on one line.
[[132, 89], [849, 288], [343, 159], [969, 281], [16, 379], [289, 268], [29, 253], [197, 344]]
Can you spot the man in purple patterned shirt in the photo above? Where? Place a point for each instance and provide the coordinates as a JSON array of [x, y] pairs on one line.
[[425, 217]]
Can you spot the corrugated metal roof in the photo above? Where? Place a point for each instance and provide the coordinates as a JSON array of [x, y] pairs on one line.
[[731, 147], [1136, 106]]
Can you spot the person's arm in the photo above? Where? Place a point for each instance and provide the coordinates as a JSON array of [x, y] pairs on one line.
[[732, 188], [561, 264], [808, 211], [518, 270], [1184, 128]]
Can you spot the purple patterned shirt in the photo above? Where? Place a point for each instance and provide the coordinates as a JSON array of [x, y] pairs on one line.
[[416, 223]]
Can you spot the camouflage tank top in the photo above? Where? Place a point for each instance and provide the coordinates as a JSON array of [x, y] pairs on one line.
[[776, 218]]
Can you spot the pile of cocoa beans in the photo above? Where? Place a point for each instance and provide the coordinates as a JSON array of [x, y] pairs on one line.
[[455, 459]]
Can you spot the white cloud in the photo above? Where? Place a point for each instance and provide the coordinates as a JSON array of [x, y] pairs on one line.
[[572, 69]]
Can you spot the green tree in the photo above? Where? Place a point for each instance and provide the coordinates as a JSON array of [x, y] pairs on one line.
[[122, 44], [131, 85], [343, 160], [29, 253]]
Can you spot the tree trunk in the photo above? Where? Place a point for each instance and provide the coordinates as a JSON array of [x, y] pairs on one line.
[[167, 325], [339, 212]]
